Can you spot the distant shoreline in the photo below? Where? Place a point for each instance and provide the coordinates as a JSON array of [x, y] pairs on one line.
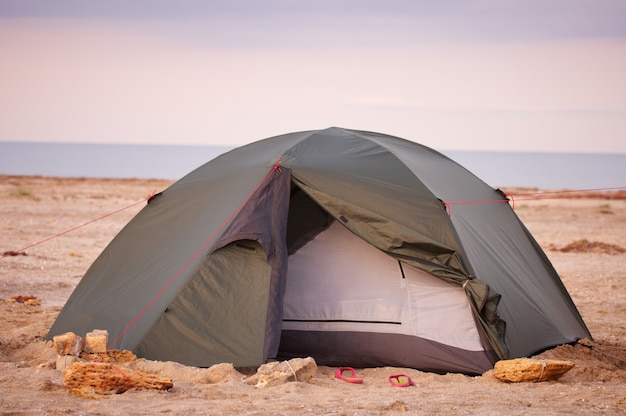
[[515, 193], [171, 162]]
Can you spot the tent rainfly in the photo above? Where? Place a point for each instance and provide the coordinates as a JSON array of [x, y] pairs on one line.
[[336, 244]]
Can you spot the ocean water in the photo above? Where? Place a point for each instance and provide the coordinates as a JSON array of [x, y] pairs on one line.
[[498, 169]]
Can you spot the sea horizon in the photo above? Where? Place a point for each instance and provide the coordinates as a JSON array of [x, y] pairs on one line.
[[543, 170]]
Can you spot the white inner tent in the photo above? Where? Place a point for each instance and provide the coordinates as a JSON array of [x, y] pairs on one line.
[[338, 282]]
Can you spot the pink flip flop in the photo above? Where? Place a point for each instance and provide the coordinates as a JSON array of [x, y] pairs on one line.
[[348, 379], [400, 380]]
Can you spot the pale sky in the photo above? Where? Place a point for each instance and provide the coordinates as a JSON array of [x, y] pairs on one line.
[[527, 75]]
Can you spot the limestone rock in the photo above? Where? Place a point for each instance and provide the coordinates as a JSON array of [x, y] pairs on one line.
[[68, 344], [223, 372], [64, 361], [530, 370], [110, 356], [281, 372], [218, 373], [96, 341], [90, 379]]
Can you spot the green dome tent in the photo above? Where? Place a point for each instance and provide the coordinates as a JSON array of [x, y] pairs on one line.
[[337, 244]]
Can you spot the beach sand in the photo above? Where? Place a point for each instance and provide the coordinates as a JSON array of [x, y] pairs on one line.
[[583, 237]]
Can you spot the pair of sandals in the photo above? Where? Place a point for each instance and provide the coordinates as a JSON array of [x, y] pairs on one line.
[[396, 380]]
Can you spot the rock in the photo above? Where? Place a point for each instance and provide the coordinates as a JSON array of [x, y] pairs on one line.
[[68, 344], [90, 379], [64, 361], [218, 373], [28, 300], [397, 406], [96, 341], [530, 370], [223, 372], [110, 356], [281, 372]]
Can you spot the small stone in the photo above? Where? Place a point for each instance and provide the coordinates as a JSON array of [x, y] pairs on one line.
[[68, 344], [222, 372], [110, 356], [96, 341], [64, 361], [281, 372]]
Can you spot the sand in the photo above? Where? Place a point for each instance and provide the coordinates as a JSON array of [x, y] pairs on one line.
[[583, 237]]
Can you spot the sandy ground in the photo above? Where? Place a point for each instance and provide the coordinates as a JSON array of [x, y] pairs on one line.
[[583, 237]]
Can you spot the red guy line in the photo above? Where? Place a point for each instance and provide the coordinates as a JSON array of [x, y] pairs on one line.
[[12, 253], [541, 195]]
